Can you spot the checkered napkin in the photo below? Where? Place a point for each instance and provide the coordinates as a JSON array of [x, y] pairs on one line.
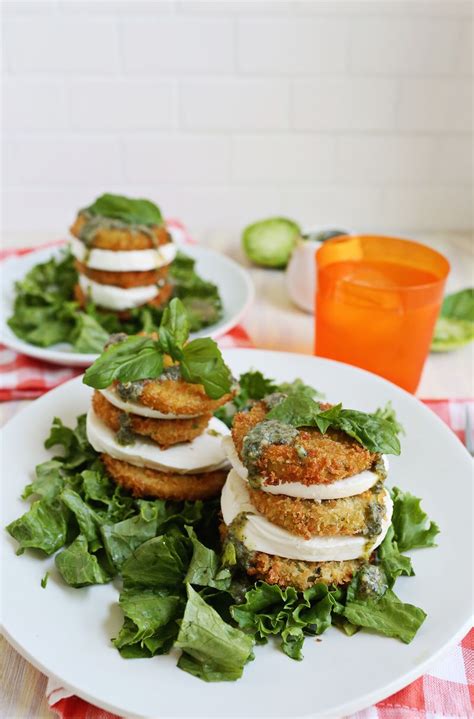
[[23, 377]]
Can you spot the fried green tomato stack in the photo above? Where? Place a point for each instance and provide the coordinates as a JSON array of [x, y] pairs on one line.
[[158, 438], [301, 507], [121, 264]]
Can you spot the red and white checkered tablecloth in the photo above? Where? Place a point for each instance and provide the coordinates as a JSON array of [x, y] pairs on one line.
[[445, 692]]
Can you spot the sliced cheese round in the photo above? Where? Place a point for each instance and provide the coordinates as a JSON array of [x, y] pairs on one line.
[[203, 454], [140, 409], [117, 298], [349, 487], [260, 535], [120, 261]]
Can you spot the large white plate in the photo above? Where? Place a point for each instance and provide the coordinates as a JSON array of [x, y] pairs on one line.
[[66, 632], [234, 283]]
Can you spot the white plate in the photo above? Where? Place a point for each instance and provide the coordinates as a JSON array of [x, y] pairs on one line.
[[66, 632], [234, 283]]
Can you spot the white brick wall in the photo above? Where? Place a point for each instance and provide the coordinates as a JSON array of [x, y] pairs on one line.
[[357, 113]]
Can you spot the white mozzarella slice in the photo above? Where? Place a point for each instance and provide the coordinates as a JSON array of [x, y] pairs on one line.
[[349, 487], [123, 261], [260, 535], [203, 454], [140, 409], [117, 298]]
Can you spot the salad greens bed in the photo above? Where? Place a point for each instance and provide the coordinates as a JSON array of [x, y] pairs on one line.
[[45, 312], [177, 589]]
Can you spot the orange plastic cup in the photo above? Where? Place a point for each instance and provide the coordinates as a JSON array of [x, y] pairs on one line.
[[377, 301]]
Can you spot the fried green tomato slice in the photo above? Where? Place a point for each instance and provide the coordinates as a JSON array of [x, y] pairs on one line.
[[170, 394], [314, 459], [143, 482], [122, 239], [359, 515], [123, 279], [273, 569], [164, 432]]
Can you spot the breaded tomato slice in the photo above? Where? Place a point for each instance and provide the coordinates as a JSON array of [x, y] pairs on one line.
[[142, 482], [164, 432], [122, 239], [359, 515], [310, 458]]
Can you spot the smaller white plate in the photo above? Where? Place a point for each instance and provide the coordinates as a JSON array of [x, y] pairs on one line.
[[234, 283]]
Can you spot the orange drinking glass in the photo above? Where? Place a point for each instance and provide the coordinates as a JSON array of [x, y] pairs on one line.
[[377, 302]]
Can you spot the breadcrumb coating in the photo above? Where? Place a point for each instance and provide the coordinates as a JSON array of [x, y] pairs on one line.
[[320, 459], [122, 239], [143, 482], [165, 432]]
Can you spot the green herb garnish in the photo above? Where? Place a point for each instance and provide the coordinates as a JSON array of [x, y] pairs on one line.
[[373, 432], [126, 209], [138, 358], [254, 386]]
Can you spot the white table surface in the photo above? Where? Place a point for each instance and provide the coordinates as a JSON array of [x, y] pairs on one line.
[[272, 323]]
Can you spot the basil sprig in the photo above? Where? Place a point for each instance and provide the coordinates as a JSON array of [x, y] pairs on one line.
[[126, 209], [143, 357], [373, 432]]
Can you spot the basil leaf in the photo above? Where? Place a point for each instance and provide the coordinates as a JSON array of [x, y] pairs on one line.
[[128, 210], [372, 431], [412, 526], [174, 329], [212, 649], [134, 358], [202, 363], [78, 567]]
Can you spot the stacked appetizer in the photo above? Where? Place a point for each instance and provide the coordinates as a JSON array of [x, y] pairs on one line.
[[151, 418], [305, 500], [123, 251]]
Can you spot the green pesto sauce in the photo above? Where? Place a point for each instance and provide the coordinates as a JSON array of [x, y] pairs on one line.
[[374, 515], [235, 551], [125, 434], [264, 434], [273, 399], [131, 391], [94, 223], [372, 582], [173, 373]]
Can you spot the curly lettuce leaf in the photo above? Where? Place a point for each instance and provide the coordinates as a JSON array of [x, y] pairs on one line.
[[412, 526]]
